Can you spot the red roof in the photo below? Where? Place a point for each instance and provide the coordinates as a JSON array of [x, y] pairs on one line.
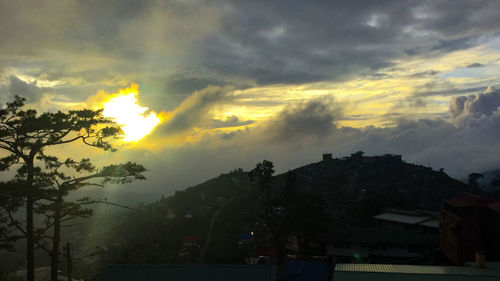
[[465, 199]]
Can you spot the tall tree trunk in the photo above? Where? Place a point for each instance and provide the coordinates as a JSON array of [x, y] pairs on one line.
[[69, 261], [54, 255], [30, 236], [30, 239]]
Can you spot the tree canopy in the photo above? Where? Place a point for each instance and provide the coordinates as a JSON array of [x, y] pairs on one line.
[[25, 137]]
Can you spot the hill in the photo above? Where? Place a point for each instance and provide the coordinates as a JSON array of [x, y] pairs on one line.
[[354, 189]]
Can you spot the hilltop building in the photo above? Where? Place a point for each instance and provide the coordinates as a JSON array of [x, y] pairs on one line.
[[327, 156]]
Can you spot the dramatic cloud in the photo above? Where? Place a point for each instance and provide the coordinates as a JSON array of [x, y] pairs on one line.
[[285, 80], [485, 103], [313, 119], [278, 42], [301, 132], [298, 42], [194, 110], [25, 89]]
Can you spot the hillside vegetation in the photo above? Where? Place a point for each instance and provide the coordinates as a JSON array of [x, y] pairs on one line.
[[352, 189]]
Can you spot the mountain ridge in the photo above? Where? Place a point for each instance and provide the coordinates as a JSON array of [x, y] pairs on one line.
[[355, 188]]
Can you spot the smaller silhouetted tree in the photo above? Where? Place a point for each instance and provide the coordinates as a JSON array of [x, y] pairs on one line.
[[287, 211], [59, 211], [272, 213], [473, 177], [495, 182]]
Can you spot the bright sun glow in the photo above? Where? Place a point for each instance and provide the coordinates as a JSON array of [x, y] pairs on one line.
[[123, 108]]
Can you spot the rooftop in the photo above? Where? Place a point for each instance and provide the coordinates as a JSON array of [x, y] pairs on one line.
[[402, 218], [465, 199], [419, 217], [347, 272]]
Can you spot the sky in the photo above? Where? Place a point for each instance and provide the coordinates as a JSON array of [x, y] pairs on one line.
[[237, 82]]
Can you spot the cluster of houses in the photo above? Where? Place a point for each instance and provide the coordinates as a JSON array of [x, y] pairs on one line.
[[461, 242]]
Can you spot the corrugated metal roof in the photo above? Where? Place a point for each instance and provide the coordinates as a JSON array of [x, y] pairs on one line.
[[430, 223], [138, 272], [369, 276], [402, 218], [492, 269]]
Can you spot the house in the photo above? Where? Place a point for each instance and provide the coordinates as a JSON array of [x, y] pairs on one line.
[[134, 272], [470, 225], [400, 272], [420, 220]]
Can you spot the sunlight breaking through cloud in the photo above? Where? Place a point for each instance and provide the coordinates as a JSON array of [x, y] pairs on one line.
[[124, 109]]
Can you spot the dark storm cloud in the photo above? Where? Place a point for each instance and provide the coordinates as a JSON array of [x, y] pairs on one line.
[[455, 44], [31, 91], [108, 43], [452, 18], [312, 119], [305, 41], [241, 41]]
